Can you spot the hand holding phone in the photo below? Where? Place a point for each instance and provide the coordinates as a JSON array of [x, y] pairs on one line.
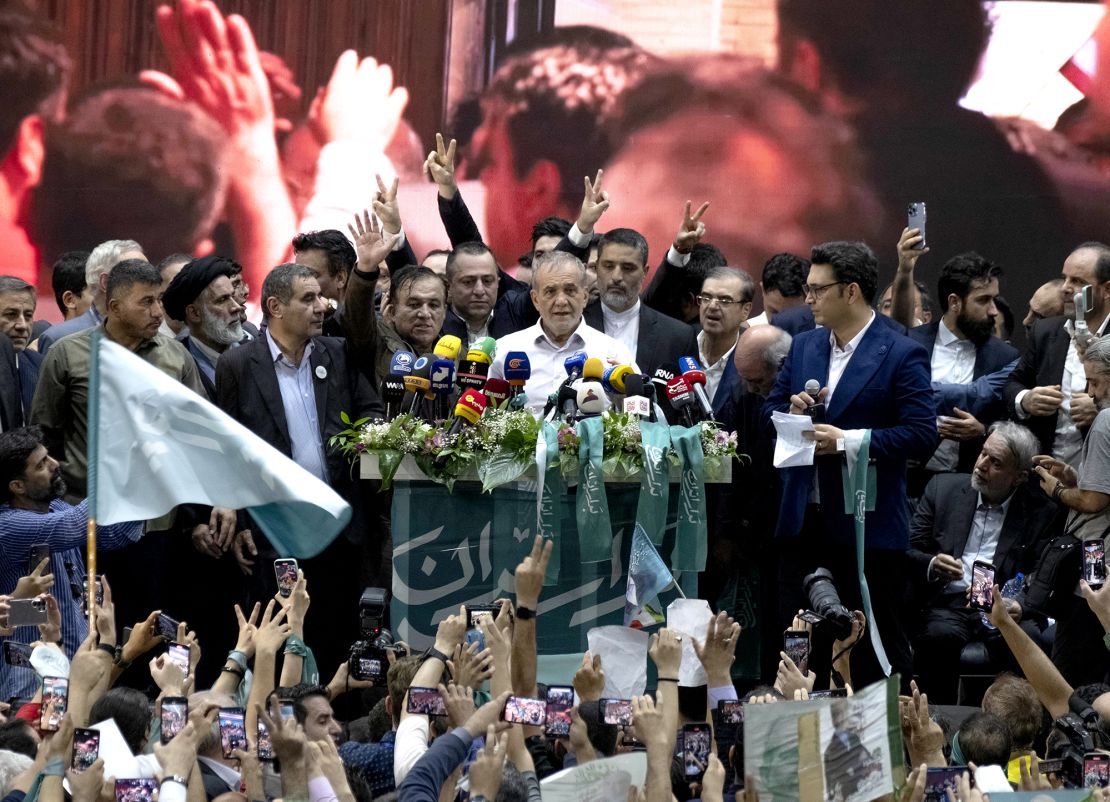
[[696, 745], [136, 790], [915, 218], [1094, 562], [285, 572], [175, 712], [233, 730], [560, 699], [982, 586], [616, 711], [795, 642], [426, 702], [524, 710], [86, 748], [55, 696]]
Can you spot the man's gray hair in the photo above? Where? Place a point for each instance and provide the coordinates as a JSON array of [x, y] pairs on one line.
[[279, 284], [1098, 353], [552, 260], [747, 284], [1022, 443], [775, 353], [105, 256], [12, 764]]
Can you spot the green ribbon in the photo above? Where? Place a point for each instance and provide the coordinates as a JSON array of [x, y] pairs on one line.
[[550, 502], [859, 499], [310, 674], [595, 534], [651, 510], [690, 544]]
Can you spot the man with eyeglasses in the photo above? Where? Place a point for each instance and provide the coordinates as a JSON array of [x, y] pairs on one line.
[[871, 377], [31, 513], [724, 303]]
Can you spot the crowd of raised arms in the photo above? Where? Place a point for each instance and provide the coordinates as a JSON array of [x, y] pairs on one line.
[[972, 531]]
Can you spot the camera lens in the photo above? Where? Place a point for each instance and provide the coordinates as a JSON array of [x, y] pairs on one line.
[[825, 601]]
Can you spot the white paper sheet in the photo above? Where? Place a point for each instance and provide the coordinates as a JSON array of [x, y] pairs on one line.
[[690, 618], [792, 448], [623, 653]]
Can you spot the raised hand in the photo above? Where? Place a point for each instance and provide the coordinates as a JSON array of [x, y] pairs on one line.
[[485, 771], [692, 230], [907, 254], [440, 165], [719, 650], [589, 679], [469, 667], [386, 207], [595, 201], [273, 630], [360, 103], [371, 245], [247, 629], [36, 583], [243, 549], [458, 701], [666, 652], [528, 579]]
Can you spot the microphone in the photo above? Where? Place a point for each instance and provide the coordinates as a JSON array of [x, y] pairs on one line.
[[590, 399], [593, 369], [695, 378], [518, 369], [649, 393], [442, 376], [472, 374], [487, 345], [678, 393], [497, 392], [574, 365], [662, 375], [448, 347], [815, 411], [418, 383], [615, 377], [635, 403], [566, 398], [470, 406], [478, 355], [393, 385]]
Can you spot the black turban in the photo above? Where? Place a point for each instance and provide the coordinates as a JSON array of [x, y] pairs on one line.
[[191, 282]]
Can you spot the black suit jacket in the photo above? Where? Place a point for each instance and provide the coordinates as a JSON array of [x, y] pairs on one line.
[[11, 410], [661, 339], [247, 389], [942, 522], [992, 356], [1042, 364]]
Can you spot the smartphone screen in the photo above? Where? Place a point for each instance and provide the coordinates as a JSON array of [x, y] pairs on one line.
[[696, 743], [178, 654], [86, 747], [560, 699], [99, 594], [166, 627], [285, 572], [17, 655], [1096, 770], [285, 710], [136, 790], [1094, 563], [55, 694], [233, 729], [426, 702], [481, 613], [795, 642], [265, 743], [616, 711], [811, 617], [939, 781], [175, 712], [730, 711], [982, 584], [525, 710], [915, 218], [1050, 766], [367, 662], [39, 552]]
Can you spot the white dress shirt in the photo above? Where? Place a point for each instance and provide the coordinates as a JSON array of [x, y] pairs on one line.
[[982, 541], [953, 362], [298, 397], [716, 370], [623, 326], [546, 358]]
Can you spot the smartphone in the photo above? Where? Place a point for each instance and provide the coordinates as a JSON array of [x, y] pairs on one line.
[[39, 552], [731, 711], [178, 654], [140, 789], [367, 662], [939, 781], [525, 710], [1096, 770], [915, 218], [99, 595], [17, 655], [1084, 301], [175, 713], [55, 694], [426, 702], [285, 571], [697, 740], [86, 747], [560, 699], [26, 612], [166, 627], [616, 711], [265, 742], [285, 710], [795, 642], [233, 729], [630, 742], [1094, 562], [479, 613], [831, 693], [982, 586], [1050, 766], [811, 617]]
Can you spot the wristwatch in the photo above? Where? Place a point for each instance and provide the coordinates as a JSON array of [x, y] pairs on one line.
[[174, 778], [525, 613]]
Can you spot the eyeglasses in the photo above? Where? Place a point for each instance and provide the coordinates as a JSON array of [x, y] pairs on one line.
[[725, 302], [818, 292]]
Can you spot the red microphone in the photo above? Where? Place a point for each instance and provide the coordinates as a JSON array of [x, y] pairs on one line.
[[498, 392], [468, 410], [695, 378], [678, 393]]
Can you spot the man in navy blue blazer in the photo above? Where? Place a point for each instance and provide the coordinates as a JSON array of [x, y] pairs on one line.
[[871, 377]]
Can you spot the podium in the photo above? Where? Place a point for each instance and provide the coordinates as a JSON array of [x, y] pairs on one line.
[[461, 547]]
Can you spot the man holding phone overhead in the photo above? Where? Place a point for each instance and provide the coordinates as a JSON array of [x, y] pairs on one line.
[[32, 514]]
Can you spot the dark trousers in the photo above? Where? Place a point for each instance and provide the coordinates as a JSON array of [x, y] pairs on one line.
[[1077, 650], [942, 637], [885, 571]]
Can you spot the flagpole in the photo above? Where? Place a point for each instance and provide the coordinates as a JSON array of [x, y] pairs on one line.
[[91, 473]]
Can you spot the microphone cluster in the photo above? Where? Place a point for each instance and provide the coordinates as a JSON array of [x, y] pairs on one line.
[[685, 390]]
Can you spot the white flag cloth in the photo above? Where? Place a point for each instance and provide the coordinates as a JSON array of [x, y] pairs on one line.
[[161, 444]]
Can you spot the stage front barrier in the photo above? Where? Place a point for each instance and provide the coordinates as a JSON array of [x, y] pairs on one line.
[[461, 547]]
